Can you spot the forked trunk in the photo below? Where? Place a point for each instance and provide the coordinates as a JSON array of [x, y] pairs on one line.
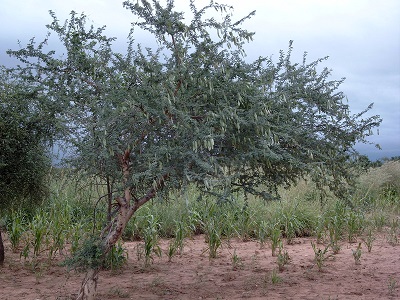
[[115, 228]]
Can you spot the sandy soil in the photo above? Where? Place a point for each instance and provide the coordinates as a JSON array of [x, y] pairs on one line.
[[192, 275]]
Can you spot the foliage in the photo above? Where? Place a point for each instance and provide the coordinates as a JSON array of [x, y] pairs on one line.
[[262, 232], [213, 238], [320, 255], [275, 279], [237, 262], [194, 109], [39, 229], [151, 239], [294, 218], [275, 235], [116, 258], [379, 183], [15, 229], [89, 256], [357, 254], [393, 232], [26, 127], [283, 257], [355, 225]]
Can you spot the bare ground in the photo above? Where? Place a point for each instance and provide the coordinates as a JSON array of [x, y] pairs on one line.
[[192, 275]]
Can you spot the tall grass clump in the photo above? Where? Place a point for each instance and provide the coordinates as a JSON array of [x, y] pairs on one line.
[[379, 188], [16, 226], [50, 227], [377, 196], [295, 218], [151, 239], [334, 217]]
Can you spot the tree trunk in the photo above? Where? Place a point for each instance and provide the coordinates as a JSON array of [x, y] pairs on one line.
[[1, 250], [110, 236], [113, 231], [89, 285]]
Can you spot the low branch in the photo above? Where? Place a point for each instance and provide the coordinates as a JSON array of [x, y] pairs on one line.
[[95, 208], [150, 194]]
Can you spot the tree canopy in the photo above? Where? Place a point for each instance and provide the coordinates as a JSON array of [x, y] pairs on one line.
[[194, 109], [25, 132]]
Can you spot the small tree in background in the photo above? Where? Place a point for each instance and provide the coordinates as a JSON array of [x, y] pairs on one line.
[[25, 131], [191, 111]]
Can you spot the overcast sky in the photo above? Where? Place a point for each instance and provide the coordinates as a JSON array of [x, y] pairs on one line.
[[361, 38]]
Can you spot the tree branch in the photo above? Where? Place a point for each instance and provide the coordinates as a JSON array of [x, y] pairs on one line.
[[150, 194]]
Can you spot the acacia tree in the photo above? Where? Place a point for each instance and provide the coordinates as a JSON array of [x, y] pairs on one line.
[[193, 110]]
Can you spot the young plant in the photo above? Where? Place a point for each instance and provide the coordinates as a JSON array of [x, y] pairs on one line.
[[245, 223], [336, 220], [334, 238], [39, 228], [392, 285], [262, 233], [320, 230], [369, 239], [193, 222], [355, 224], [275, 235], [357, 254], [171, 251], [379, 220], [213, 237], [60, 216], [320, 256], [56, 239], [254, 261], [275, 277], [116, 258], [75, 236], [15, 229], [294, 220], [392, 237], [335, 229], [236, 261], [180, 235], [151, 239], [283, 257], [25, 251]]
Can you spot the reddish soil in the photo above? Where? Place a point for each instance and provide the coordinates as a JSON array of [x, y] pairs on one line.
[[193, 275]]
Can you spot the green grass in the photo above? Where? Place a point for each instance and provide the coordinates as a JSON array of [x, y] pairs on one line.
[[66, 220]]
